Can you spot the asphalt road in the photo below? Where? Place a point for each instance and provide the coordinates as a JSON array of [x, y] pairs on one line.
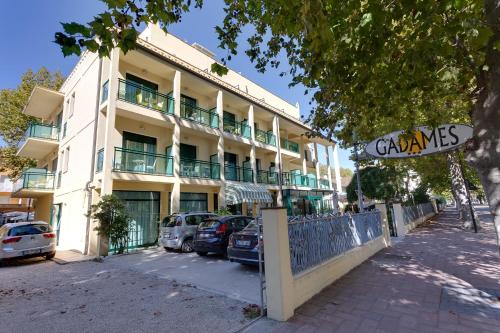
[[110, 296]]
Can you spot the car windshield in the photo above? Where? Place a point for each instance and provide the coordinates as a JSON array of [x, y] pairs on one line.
[[30, 229], [170, 221]]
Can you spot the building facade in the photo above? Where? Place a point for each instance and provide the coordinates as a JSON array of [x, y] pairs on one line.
[[158, 129]]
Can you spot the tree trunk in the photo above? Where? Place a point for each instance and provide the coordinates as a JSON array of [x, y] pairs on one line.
[[460, 193], [484, 150]]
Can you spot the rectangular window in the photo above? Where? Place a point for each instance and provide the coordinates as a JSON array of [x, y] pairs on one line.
[[66, 160], [187, 152], [193, 202], [65, 128], [72, 105], [54, 165], [105, 92]]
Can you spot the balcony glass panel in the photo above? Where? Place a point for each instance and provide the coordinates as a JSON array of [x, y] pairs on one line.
[[267, 177], [141, 95], [297, 179], [135, 161], [199, 169], [289, 145], [237, 128], [199, 115], [265, 137], [42, 131], [35, 179], [239, 174], [324, 184]]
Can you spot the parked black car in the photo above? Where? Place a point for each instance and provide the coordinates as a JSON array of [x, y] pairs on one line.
[[242, 247], [213, 234]]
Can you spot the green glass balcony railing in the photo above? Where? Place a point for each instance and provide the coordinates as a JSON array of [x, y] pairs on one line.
[[199, 115], [127, 160], [138, 94], [237, 128], [289, 145], [239, 174], [265, 137], [42, 131], [199, 169], [35, 179], [297, 179], [267, 177], [324, 184]]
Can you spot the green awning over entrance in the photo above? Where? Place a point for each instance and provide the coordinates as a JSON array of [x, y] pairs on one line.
[[237, 193]]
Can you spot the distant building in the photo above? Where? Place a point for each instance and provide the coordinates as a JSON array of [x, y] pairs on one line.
[[7, 202]]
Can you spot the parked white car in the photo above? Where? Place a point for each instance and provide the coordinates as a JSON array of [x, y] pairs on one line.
[[27, 239]]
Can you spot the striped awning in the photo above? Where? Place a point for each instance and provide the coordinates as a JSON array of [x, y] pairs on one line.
[[237, 193]]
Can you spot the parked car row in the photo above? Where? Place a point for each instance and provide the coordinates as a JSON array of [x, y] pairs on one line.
[[232, 236]]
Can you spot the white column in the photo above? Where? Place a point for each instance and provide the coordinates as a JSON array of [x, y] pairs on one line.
[[109, 149], [220, 151], [304, 161], [316, 156], [277, 157], [253, 157], [175, 195], [336, 163], [328, 164], [279, 278]]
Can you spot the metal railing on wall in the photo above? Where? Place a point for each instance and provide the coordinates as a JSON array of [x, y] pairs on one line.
[[412, 213], [314, 240]]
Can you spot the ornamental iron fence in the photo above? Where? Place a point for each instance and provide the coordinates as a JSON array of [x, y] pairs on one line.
[[316, 239]]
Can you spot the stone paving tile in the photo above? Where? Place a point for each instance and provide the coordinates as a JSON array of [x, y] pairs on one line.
[[400, 289]]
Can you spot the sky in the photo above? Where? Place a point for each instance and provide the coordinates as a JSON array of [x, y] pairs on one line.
[[29, 28]]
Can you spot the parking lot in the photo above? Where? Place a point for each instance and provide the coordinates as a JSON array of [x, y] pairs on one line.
[[210, 273]]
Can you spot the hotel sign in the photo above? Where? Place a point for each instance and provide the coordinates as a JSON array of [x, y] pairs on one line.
[[424, 141]]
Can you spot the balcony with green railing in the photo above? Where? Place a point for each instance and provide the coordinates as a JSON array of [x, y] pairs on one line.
[[265, 137], [199, 115], [199, 169], [237, 128], [298, 179], [134, 161], [267, 177], [139, 94], [43, 131], [238, 174], [35, 179], [289, 145], [324, 184]]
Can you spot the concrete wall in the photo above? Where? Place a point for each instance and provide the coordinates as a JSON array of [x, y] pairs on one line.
[[402, 228], [286, 292]]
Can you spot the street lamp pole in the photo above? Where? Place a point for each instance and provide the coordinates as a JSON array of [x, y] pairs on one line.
[[358, 180]]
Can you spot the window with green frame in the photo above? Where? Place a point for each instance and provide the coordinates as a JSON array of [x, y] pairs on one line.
[[193, 202]]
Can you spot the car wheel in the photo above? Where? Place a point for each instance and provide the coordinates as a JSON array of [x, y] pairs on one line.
[[167, 249], [187, 246], [50, 255], [201, 254]]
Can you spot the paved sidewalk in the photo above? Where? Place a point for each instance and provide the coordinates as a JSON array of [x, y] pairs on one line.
[[438, 279]]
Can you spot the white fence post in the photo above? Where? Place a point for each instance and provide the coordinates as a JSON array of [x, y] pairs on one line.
[[399, 220], [279, 278], [385, 223]]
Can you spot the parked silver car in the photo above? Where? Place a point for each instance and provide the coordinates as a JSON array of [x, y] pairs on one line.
[[23, 239], [177, 231]]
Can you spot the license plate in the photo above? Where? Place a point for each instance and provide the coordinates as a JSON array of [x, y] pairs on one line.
[[243, 242], [166, 235], [34, 251], [205, 235]]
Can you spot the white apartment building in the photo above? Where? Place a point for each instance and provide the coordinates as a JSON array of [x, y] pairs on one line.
[[158, 129]]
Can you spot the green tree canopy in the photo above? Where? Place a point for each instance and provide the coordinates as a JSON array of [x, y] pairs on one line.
[[15, 123], [376, 183]]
